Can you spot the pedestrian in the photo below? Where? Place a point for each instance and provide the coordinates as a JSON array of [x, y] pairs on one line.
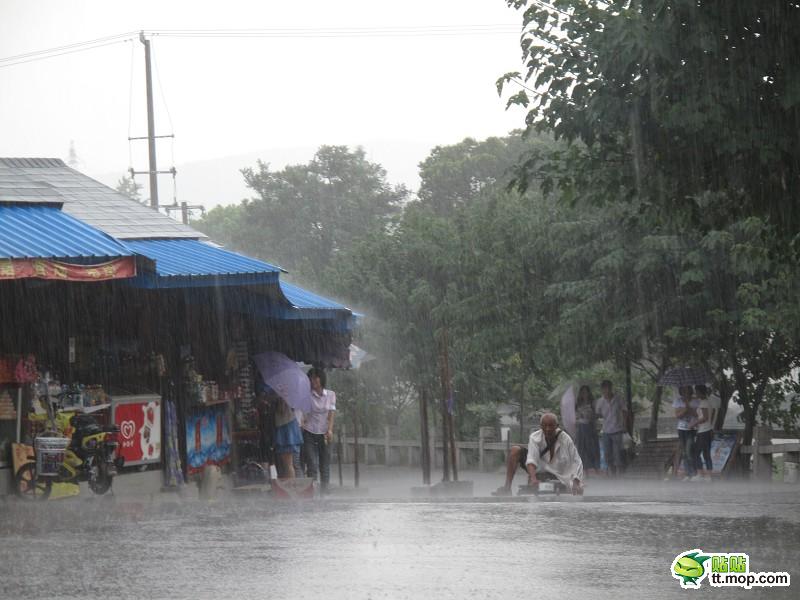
[[279, 433], [552, 456], [615, 414], [686, 412], [318, 429], [704, 424], [287, 438], [586, 430]]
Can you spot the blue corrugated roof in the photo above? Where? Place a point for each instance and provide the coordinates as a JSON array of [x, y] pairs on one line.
[[301, 298], [38, 231], [185, 263]]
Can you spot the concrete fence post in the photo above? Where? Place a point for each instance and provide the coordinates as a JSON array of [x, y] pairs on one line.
[[481, 449], [762, 463], [387, 449]]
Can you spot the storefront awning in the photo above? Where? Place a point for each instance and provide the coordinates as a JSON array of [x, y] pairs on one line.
[[40, 241], [182, 263], [306, 301]]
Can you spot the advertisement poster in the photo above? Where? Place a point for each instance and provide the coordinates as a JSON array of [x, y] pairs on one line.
[[139, 422], [208, 439], [721, 448]]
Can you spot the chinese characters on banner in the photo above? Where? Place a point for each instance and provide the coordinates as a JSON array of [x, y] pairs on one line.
[[41, 268]]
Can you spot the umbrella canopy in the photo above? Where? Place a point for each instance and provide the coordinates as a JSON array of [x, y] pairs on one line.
[[284, 376], [685, 376]]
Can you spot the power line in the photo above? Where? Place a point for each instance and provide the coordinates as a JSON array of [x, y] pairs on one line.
[[277, 32], [67, 46], [341, 31], [45, 54]]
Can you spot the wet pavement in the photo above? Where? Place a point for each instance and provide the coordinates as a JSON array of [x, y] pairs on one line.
[[616, 542]]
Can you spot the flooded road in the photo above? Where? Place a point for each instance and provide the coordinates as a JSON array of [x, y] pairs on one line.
[[617, 543]]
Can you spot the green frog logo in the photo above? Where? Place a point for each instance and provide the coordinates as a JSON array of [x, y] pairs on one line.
[[688, 568]]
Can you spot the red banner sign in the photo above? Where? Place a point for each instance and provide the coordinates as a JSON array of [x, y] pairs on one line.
[[41, 268]]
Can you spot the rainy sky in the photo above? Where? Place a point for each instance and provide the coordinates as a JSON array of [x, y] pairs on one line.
[[228, 96]]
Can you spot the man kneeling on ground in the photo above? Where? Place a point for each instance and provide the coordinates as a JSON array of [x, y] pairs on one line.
[[551, 456]]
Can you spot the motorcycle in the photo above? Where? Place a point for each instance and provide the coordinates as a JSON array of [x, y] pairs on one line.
[[90, 455]]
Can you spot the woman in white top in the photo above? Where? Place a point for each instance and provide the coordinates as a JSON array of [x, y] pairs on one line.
[[318, 429], [702, 443]]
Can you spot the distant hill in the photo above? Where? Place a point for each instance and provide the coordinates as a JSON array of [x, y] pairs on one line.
[[218, 181]]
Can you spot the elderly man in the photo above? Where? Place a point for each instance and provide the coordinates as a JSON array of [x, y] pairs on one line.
[[553, 455]]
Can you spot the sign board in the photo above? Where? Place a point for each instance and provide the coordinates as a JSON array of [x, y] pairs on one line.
[[721, 449], [42, 268], [139, 422], [208, 437]]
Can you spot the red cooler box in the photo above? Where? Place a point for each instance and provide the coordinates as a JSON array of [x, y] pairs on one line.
[[139, 421]]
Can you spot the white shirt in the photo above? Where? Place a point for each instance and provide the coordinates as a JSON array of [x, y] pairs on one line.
[[707, 424], [611, 411], [684, 422], [316, 421], [565, 464]]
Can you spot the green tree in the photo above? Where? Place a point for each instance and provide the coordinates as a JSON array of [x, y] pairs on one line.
[[683, 97], [127, 186], [304, 215], [681, 115]]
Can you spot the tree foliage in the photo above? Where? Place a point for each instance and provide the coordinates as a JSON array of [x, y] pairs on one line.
[[304, 215], [680, 117], [127, 186]]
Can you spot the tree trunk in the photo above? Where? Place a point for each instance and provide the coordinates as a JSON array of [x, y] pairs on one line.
[[629, 396], [725, 398], [445, 437], [654, 410], [355, 454], [749, 425], [425, 446]]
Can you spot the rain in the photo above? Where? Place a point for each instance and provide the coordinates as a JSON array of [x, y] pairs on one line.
[[466, 299]]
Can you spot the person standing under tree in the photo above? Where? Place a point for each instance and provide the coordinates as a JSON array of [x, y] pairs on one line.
[[686, 413], [705, 433], [318, 429], [615, 414], [586, 425]]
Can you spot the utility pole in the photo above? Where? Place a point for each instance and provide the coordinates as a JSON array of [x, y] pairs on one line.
[[185, 210], [151, 137], [151, 126]]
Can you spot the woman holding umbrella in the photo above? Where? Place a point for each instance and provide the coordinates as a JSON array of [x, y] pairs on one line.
[[291, 388], [586, 430], [286, 439]]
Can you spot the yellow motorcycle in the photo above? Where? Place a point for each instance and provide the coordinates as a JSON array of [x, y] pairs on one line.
[[89, 455]]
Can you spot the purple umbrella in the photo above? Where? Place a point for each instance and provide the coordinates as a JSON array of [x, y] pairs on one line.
[[287, 379]]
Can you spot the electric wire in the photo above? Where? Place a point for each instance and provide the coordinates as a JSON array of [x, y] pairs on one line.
[[278, 32], [341, 32], [66, 46], [46, 54]]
